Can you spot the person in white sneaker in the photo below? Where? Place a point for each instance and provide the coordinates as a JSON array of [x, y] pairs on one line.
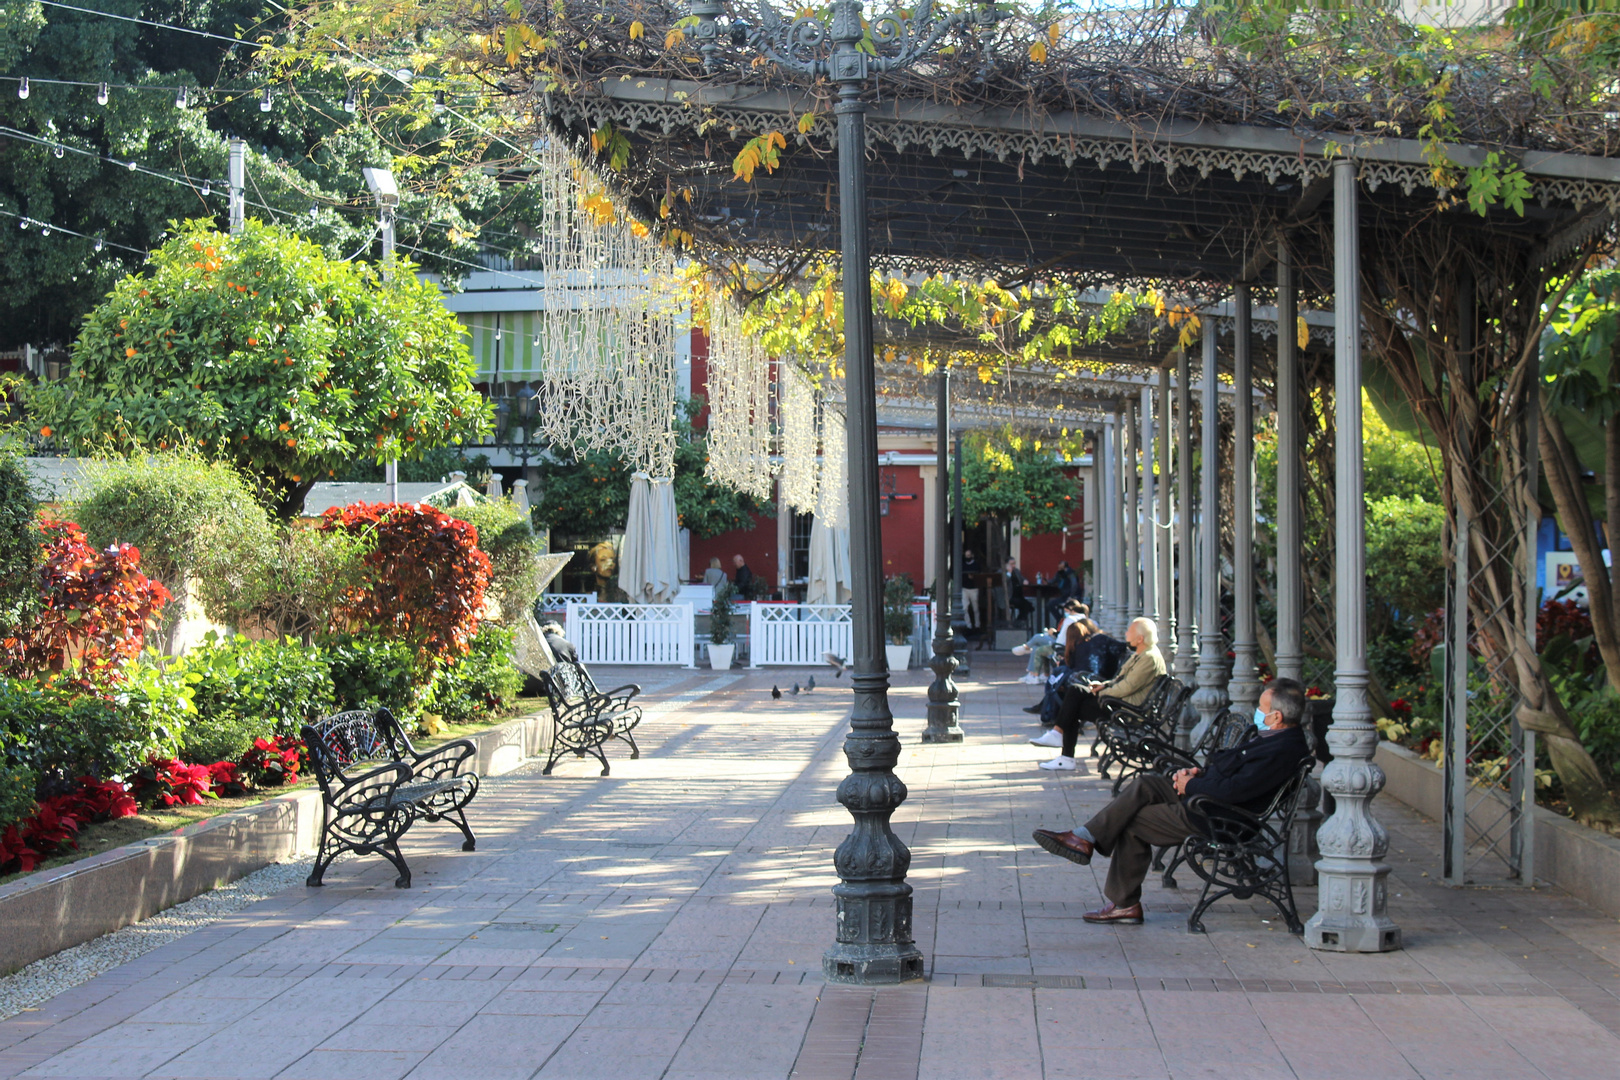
[[1081, 701]]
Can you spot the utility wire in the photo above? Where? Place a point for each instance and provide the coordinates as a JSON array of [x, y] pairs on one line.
[[46, 228]]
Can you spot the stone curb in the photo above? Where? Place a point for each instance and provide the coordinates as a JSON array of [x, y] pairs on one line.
[[1583, 862], [57, 909]]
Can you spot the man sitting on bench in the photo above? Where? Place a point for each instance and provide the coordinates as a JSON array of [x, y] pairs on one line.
[[1150, 811]]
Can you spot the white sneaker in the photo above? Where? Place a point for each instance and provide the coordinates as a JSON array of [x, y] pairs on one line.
[[1049, 737], [1060, 764], [1033, 680], [1020, 650]]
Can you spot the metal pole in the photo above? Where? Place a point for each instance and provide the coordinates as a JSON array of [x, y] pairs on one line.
[[1454, 807], [1525, 835], [1185, 665], [385, 223], [1149, 534], [1131, 562], [1210, 698], [1353, 892], [1290, 655], [1162, 534], [1244, 689], [958, 522], [1108, 529], [943, 708], [236, 177], [1122, 606], [874, 901]]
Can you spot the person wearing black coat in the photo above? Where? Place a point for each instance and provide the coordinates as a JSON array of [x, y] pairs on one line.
[[1151, 810]]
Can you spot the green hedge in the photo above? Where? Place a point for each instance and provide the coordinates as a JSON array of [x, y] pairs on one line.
[[474, 687]]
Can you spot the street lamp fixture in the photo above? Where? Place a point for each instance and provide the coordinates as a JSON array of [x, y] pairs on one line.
[[874, 943]]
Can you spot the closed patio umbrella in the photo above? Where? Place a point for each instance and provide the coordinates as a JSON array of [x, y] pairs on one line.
[[829, 565], [649, 559]]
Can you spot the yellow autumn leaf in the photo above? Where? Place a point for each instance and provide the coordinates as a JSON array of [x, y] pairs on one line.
[[638, 229], [636, 31], [1054, 32], [674, 37], [806, 122], [1304, 332], [1037, 52]]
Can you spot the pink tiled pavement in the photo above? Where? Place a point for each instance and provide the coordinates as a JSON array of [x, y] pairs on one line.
[[668, 922]]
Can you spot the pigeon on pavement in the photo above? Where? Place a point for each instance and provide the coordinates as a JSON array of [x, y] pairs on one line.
[[776, 692], [810, 685], [795, 689]]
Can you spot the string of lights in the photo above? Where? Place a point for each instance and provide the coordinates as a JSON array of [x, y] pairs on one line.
[[46, 229]]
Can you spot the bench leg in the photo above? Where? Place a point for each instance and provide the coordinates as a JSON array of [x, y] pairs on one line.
[[390, 851], [460, 822], [635, 751], [322, 861]]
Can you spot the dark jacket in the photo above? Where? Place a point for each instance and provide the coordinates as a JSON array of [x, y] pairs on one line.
[[1250, 774], [743, 582]]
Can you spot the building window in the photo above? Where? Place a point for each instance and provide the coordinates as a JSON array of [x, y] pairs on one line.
[[799, 546]]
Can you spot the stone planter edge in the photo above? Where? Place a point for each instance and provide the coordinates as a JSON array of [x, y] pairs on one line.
[[1583, 862], [57, 909]]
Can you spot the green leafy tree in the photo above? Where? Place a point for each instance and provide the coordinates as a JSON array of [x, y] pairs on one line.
[[19, 547], [262, 350], [1404, 582], [1011, 477]]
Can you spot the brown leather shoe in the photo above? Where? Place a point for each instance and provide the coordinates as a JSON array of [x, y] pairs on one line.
[[1108, 913], [1065, 845]]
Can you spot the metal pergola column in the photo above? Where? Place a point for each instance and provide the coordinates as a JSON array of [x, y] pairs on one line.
[[1149, 534], [1185, 665], [1244, 688], [1163, 533], [1133, 517], [1290, 648], [1353, 891], [1210, 698]]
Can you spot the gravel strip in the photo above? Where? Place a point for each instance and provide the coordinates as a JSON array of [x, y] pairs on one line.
[[44, 979]]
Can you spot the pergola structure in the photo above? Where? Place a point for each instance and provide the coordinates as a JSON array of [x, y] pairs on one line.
[[1216, 212]]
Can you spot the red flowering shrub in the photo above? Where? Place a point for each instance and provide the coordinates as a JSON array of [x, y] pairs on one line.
[[426, 577], [167, 782], [100, 800], [273, 762], [97, 607], [16, 856], [1401, 708], [1562, 617], [224, 778], [53, 826]]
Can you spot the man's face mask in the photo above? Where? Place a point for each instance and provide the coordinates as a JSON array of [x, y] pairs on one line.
[[1260, 720]]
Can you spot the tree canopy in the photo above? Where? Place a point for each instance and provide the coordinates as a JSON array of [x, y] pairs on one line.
[[261, 350]]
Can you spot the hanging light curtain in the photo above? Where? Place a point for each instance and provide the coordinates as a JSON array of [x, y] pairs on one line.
[[800, 468], [830, 577], [739, 398]]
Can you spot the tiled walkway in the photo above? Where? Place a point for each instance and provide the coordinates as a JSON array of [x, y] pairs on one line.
[[668, 921]]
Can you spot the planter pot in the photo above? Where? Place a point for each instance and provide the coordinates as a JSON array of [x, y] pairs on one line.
[[899, 656], [720, 656]]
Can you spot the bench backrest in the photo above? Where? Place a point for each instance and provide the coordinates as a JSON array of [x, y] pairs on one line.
[[569, 684], [357, 737]]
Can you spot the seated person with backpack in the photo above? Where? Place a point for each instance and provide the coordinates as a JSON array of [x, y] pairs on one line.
[[1081, 699]]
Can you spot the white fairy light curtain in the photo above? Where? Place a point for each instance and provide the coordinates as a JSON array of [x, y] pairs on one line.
[[607, 368], [739, 398], [800, 468], [832, 499]]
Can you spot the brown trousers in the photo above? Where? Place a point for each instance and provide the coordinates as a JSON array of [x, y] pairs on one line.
[[1146, 813]]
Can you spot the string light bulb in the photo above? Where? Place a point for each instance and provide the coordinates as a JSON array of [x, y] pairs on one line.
[[264, 101], [99, 244], [22, 88], [438, 102], [182, 98], [45, 229], [207, 188], [102, 93], [350, 103], [22, 224], [57, 150], [314, 211], [132, 165]]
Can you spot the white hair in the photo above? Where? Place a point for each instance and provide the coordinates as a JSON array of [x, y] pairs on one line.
[[1147, 628]]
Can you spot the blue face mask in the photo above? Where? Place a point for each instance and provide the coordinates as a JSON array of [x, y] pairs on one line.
[[1260, 720]]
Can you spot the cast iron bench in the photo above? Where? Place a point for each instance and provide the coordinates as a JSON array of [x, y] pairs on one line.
[[1242, 854], [375, 785], [1130, 736], [584, 717], [1228, 730]]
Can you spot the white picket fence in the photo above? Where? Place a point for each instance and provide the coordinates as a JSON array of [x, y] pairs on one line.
[[632, 633], [796, 633]]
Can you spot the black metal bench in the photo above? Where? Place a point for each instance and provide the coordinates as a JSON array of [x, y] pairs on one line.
[[584, 717], [1228, 730], [1130, 736], [375, 785], [1244, 855]]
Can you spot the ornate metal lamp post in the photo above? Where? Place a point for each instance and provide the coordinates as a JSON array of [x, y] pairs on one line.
[[517, 410], [874, 901], [942, 701]]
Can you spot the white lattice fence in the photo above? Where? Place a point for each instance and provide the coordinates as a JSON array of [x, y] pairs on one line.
[[632, 633], [555, 603], [797, 633]]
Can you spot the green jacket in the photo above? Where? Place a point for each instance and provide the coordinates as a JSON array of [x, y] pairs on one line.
[[1135, 677]]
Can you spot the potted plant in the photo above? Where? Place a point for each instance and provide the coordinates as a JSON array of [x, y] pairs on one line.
[[721, 644], [898, 593]]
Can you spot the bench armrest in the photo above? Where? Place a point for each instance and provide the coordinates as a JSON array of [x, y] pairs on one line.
[[371, 790], [443, 761]]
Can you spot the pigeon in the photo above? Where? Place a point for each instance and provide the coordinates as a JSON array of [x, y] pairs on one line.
[[836, 661], [795, 689], [776, 692], [811, 685]]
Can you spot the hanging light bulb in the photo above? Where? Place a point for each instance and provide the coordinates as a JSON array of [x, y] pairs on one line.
[[101, 94], [57, 150], [264, 102], [100, 243], [438, 102], [314, 211], [44, 230], [22, 88], [350, 103], [23, 224], [182, 98], [207, 188], [132, 166]]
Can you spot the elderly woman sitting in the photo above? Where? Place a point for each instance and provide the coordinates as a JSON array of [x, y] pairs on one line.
[[1082, 701]]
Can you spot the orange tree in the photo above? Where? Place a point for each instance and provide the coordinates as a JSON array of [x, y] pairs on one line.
[[259, 348]]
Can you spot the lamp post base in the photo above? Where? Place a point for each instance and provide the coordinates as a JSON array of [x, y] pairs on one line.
[[887, 955]]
